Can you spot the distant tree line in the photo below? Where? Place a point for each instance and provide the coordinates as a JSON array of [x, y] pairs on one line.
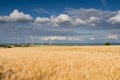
[[11, 46]]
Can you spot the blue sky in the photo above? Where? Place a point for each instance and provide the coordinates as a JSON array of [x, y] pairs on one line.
[[80, 21]]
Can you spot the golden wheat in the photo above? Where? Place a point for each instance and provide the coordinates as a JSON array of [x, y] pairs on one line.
[[60, 63]]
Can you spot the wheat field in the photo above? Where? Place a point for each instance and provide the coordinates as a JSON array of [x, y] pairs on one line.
[[60, 63]]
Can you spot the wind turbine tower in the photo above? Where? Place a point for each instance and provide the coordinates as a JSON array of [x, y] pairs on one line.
[[50, 42], [31, 40], [42, 42]]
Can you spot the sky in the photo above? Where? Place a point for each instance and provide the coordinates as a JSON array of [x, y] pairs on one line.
[[77, 21]]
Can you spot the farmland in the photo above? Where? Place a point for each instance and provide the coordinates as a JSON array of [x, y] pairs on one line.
[[60, 63]]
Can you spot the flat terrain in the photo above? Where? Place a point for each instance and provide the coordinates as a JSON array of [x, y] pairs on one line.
[[60, 63]]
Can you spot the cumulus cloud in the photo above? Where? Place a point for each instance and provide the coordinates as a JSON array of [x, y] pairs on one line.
[[70, 18], [83, 17], [115, 19], [79, 21], [91, 21], [62, 18], [16, 16], [113, 36], [41, 21], [53, 20], [102, 19], [66, 20]]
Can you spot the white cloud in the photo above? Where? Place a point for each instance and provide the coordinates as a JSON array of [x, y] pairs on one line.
[[4, 18], [92, 14], [78, 21], [92, 19], [113, 36], [92, 38], [71, 18], [73, 39], [77, 17], [82, 17], [63, 19], [53, 20], [60, 19], [115, 19], [16, 16], [54, 38], [40, 21], [62, 38]]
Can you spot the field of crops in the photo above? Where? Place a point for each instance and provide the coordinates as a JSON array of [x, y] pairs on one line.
[[60, 63]]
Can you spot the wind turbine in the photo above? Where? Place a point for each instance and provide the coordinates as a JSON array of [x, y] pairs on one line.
[[50, 42], [31, 40], [42, 42], [39, 40]]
